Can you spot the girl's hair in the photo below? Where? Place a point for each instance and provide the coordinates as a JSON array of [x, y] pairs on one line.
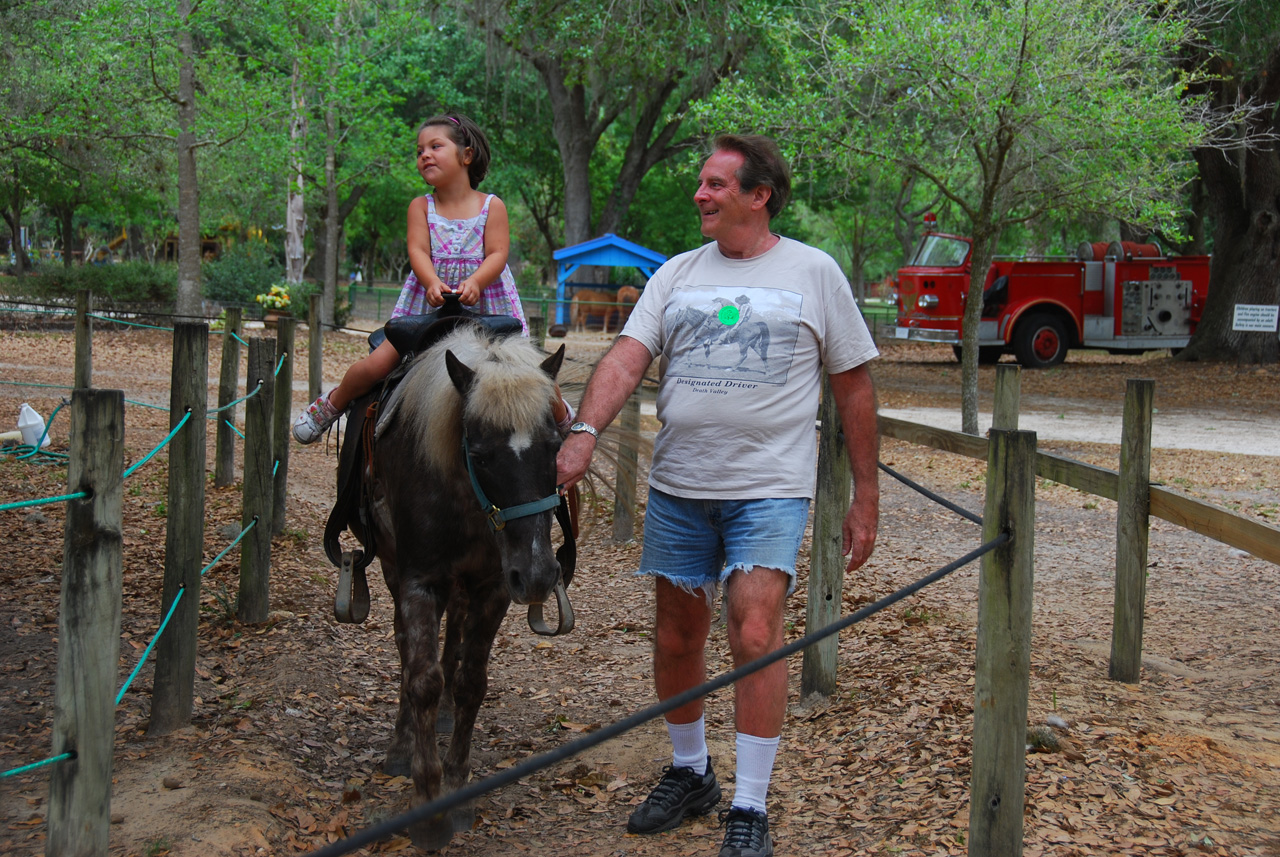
[[466, 135]]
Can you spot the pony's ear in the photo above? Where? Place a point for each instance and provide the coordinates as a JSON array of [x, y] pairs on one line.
[[552, 364], [460, 373]]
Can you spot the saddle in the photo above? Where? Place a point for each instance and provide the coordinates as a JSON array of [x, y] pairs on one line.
[[410, 335]]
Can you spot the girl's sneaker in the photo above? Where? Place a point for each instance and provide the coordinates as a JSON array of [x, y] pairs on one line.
[[313, 422]]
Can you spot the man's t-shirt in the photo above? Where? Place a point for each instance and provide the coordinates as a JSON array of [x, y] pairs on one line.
[[742, 343]]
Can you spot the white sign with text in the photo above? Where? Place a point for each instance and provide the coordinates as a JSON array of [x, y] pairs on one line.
[[1256, 317]]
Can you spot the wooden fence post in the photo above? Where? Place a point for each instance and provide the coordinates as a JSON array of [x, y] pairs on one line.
[[84, 341], [826, 566], [1133, 507], [624, 478], [1004, 414], [171, 697], [282, 429], [255, 550], [315, 350], [88, 629], [224, 447], [1003, 661]]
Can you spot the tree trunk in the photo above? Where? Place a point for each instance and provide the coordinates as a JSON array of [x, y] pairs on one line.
[[984, 242], [66, 217], [295, 216], [1246, 258], [643, 152], [189, 296], [320, 235], [332, 227], [1243, 187], [577, 139], [15, 202]]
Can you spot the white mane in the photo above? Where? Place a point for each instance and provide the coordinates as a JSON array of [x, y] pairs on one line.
[[511, 391]]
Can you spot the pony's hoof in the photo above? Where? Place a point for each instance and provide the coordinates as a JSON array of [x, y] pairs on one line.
[[396, 766], [463, 818], [432, 834]]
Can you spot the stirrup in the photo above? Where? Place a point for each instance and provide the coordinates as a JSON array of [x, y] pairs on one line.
[[564, 623], [351, 604]]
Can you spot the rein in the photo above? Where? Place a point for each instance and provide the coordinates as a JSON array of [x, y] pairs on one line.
[[496, 517]]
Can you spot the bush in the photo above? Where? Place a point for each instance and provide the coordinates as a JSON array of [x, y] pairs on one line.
[[244, 271], [127, 282]]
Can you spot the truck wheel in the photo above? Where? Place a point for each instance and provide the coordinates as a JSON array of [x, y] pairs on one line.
[[987, 354], [1040, 341]]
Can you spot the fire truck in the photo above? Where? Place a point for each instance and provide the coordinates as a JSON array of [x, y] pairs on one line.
[[1119, 296]]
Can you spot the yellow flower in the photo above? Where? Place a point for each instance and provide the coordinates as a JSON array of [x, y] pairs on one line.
[[277, 297]]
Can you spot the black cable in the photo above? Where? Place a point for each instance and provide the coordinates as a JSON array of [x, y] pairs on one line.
[[537, 763], [937, 498]]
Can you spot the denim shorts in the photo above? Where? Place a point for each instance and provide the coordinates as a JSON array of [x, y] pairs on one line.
[[697, 544]]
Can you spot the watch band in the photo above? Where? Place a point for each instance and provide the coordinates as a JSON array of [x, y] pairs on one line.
[[585, 427]]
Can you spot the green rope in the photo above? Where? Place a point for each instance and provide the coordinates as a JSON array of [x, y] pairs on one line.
[[238, 339], [181, 589], [211, 414], [234, 429], [150, 455], [234, 542], [280, 363], [142, 660], [24, 452], [4, 507], [145, 405], [35, 455], [22, 770], [129, 323], [44, 434]]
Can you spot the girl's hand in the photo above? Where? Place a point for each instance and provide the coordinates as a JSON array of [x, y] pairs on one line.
[[435, 292], [469, 292]]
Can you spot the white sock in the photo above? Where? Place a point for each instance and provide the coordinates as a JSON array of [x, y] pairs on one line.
[[755, 768], [689, 745]]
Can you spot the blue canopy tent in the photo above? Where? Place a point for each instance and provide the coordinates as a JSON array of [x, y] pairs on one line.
[[608, 250]]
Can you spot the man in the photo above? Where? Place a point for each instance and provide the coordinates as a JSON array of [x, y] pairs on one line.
[[733, 464]]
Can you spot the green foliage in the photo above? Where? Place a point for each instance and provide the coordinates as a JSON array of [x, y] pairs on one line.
[[244, 271], [126, 282]]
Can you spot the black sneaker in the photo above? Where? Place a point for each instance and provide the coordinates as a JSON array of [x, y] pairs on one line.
[[746, 833], [679, 794]]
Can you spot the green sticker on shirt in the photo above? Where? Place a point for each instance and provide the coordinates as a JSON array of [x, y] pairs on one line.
[[729, 316]]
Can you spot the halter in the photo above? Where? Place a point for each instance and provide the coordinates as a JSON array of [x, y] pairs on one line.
[[496, 517]]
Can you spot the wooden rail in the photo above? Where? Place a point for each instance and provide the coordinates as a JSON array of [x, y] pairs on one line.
[[1261, 540]]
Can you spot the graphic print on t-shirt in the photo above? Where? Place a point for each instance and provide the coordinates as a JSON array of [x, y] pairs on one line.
[[732, 333]]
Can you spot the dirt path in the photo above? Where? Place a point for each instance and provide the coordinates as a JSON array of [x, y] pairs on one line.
[[292, 717]]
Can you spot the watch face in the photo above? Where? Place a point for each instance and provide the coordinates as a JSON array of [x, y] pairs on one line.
[[577, 427]]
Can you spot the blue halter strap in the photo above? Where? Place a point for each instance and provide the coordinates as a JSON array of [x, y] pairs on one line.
[[496, 517]]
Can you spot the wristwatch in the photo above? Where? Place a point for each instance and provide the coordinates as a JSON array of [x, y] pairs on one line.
[[585, 427]]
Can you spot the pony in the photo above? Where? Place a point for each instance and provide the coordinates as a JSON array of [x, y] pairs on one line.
[[461, 491], [626, 299], [585, 304]]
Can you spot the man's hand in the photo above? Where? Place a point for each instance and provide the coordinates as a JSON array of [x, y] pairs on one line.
[[859, 532], [574, 459]]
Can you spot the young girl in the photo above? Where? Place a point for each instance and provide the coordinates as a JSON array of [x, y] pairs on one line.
[[458, 243]]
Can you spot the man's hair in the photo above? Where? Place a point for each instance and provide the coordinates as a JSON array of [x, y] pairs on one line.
[[465, 134], [762, 165]]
